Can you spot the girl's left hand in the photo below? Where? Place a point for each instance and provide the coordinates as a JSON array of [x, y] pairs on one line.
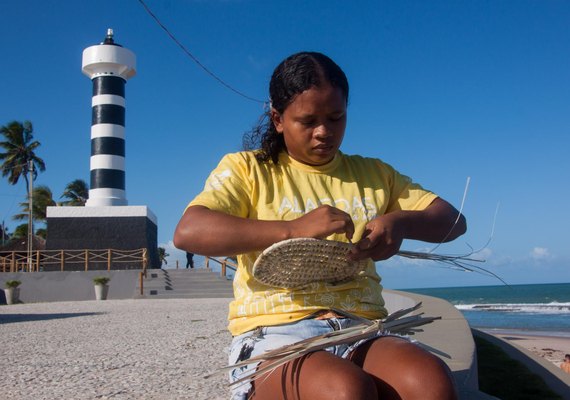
[[382, 238]]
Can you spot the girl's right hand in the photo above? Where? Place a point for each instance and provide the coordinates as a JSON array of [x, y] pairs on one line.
[[323, 222]]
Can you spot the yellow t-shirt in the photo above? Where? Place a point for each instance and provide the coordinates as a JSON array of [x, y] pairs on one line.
[[363, 187]]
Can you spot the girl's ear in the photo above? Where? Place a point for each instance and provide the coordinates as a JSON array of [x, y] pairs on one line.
[[277, 120]]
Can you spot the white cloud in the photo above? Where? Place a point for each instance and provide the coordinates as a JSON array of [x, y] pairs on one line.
[[540, 253], [483, 254]]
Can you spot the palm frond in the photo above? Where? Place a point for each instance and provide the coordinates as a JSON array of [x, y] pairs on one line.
[[367, 329]]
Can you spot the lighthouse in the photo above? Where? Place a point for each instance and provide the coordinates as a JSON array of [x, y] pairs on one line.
[[106, 221], [109, 66]]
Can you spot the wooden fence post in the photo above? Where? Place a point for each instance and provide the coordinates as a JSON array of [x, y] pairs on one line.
[[13, 263], [86, 260], [144, 261], [224, 269], [37, 261], [62, 260], [108, 259]]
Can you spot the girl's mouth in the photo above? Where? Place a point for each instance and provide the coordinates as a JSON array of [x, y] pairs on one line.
[[323, 148]]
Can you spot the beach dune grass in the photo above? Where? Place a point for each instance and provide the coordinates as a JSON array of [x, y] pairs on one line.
[[508, 379]]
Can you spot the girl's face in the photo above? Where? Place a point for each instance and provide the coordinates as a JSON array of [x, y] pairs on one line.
[[313, 124]]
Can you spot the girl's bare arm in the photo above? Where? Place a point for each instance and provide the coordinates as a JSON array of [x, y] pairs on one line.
[[214, 233]]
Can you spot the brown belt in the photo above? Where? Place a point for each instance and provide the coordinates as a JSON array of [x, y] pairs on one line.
[[327, 314]]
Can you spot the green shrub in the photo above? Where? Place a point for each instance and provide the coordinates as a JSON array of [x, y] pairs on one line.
[[13, 283], [101, 280]]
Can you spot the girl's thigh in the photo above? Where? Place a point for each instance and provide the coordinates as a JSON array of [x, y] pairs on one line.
[[403, 370], [316, 376]]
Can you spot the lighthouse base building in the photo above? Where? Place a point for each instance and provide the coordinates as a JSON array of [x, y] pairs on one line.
[[94, 228]]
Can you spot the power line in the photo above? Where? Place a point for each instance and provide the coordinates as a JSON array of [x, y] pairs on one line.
[[185, 50]]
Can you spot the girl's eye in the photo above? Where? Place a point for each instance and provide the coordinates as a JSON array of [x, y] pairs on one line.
[[307, 122]]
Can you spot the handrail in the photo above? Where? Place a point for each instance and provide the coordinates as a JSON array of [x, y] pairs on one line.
[[225, 263], [15, 261]]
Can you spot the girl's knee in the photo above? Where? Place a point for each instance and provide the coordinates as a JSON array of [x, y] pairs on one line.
[[356, 386], [432, 380], [411, 373]]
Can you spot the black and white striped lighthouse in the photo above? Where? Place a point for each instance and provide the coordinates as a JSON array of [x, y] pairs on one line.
[[109, 66], [107, 222]]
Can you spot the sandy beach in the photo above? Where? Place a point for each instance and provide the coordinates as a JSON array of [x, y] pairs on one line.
[[134, 349]]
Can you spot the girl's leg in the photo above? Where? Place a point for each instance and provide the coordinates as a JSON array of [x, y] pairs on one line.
[[316, 376], [403, 370]]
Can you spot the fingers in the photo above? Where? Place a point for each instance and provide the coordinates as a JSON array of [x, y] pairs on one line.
[[379, 242], [344, 222], [346, 226], [327, 220]]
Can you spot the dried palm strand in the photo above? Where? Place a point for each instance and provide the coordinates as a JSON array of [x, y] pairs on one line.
[[462, 263], [394, 323]]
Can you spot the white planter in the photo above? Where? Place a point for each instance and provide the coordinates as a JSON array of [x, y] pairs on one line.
[[12, 295], [101, 292]]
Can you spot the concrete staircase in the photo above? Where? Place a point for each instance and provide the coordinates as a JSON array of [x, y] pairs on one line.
[[197, 283]]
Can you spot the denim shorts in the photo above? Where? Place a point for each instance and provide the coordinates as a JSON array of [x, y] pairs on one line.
[[265, 338]]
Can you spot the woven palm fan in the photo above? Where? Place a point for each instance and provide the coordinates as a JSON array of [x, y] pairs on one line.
[[298, 262]]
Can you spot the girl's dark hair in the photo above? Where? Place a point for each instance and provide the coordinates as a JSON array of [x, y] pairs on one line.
[[294, 75]]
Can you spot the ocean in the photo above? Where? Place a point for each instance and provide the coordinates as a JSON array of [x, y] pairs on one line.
[[539, 309]]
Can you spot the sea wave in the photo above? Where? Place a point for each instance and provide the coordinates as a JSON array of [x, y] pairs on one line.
[[544, 308]]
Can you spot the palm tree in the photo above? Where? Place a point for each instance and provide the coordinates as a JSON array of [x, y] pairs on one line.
[[20, 232], [20, 159], [42, 198], [19, 239], [162, 254], [77, 193], [4, 233], [41, 232], [19, 155]]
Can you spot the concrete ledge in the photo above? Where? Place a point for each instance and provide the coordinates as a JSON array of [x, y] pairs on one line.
[[449, 338], [554, 377]]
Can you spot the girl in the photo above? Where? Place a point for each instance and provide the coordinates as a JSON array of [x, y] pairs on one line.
[[299, 184]]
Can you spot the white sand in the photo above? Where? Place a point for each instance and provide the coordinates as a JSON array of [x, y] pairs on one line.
[[114, 349]]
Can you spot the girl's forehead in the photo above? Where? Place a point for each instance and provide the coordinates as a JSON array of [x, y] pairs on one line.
[[318, 98]]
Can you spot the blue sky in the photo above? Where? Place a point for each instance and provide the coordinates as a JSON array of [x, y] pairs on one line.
[[442, 90]]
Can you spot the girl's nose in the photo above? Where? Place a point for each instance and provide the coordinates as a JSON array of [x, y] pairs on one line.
[[321, 131]]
